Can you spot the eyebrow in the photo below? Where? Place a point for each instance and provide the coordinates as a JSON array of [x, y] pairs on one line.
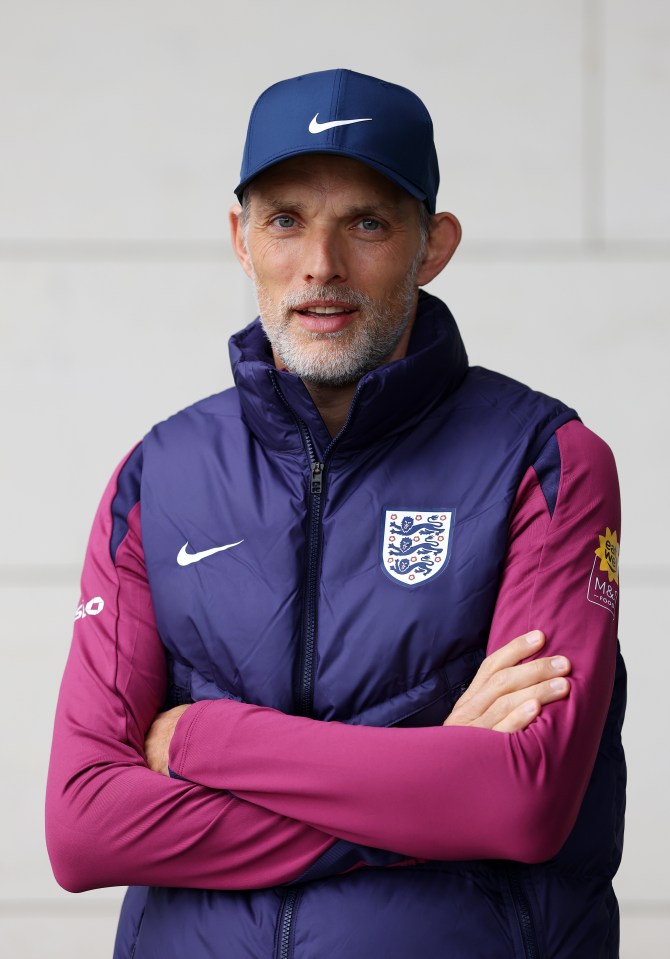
[[272, 204], [376, 207]]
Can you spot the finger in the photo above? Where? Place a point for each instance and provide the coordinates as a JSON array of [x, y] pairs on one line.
[[520, 718], [547, 692], [518, 649], [513, 679]]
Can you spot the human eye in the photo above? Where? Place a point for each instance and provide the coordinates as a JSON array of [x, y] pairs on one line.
[[370, 225], [284, 221]]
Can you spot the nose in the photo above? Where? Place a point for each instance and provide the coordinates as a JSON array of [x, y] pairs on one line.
[[325, 259]]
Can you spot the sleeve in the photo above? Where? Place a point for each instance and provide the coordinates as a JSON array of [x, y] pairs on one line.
[[458, 792], [154, 830]]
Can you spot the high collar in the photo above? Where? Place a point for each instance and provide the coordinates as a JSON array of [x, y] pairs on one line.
[[389, 399]]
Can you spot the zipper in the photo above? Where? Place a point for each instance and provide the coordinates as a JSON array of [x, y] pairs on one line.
[[310, 615], [285, 923], [305, 697], [316, 484], [305, 692], [531, 949]]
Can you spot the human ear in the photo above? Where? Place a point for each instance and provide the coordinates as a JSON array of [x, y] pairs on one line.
[[443, 238], [236, 218]]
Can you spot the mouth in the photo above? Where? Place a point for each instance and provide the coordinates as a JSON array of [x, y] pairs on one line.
[[325, 316]]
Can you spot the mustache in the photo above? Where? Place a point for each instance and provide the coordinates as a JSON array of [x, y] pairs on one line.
[[352, 298]]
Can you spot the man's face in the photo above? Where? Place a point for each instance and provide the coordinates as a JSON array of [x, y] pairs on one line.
[[334, 250]]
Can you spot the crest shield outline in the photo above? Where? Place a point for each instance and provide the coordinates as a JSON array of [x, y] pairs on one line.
[[415, 544]]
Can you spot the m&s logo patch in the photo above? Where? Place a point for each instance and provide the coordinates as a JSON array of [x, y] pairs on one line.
[[604, 581]]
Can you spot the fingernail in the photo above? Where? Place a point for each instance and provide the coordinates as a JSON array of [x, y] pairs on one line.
[[530, 708], [534, 638], [559, 662], [560, 685]]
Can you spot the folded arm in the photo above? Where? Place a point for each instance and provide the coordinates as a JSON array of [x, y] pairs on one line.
[[456, 792], [110, 820], [156, 831]]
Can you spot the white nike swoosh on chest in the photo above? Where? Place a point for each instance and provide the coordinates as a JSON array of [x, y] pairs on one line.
[[316, 127], [185, 559]]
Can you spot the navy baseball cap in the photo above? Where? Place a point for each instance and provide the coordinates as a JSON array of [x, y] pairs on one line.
[[348, 114]]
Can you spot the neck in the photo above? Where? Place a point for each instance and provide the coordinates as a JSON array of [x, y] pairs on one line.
[[333, 403]]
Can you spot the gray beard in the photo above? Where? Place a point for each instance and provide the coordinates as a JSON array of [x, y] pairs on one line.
[[346, 354]]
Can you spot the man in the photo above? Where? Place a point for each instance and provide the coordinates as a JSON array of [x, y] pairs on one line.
[[349, 552]]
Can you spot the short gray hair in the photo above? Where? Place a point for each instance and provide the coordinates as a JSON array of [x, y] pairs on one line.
[[425, 219], [245, 201]]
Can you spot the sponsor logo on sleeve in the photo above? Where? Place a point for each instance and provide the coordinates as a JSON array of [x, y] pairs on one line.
[[604, 580], [92, 608], [415, 544]]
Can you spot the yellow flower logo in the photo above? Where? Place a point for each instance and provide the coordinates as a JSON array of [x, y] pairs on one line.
[[608, 553]]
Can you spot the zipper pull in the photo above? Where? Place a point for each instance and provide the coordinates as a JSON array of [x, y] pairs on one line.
[[317, 478]]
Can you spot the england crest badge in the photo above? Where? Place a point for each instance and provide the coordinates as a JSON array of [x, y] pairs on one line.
[[416, 544]]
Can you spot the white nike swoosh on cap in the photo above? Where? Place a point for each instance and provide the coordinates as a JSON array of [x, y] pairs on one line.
[[316, 127], [185, 559]]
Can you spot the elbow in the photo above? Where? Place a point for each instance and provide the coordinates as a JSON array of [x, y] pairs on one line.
[[540, 849], [86, 832], [69, 880], [75, 863], [542, 832], [76, 853], [70, 872]]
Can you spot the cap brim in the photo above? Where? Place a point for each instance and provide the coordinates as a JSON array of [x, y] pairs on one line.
[[400, 181]]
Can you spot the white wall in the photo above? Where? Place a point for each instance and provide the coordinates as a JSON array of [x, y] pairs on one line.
[[121, 127]]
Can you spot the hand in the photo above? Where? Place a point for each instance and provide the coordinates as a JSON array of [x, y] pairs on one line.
[[506, 694], [159, 737]]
